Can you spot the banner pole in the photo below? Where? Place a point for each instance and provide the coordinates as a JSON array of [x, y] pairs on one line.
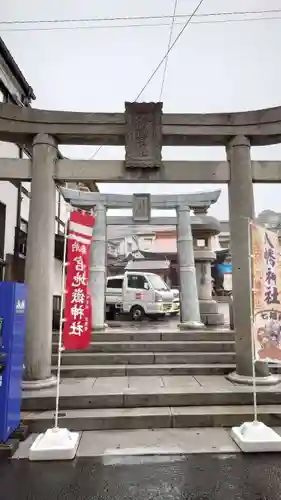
[[60, 348], [255, 436], [252, 324], [254, 377], [57, 443]]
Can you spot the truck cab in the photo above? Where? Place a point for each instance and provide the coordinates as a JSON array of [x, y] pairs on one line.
[[139, 294]]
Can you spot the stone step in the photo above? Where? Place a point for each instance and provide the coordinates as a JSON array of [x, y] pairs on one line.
[[133, 392], [151, 335], [144, 358], [143, 370], [160, 346], [152, 418]]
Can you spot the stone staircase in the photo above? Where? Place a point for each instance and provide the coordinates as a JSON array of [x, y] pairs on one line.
[[150, 377], [151, 352]]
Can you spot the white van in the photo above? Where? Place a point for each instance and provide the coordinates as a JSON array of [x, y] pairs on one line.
[[139, 294], [176, 302]]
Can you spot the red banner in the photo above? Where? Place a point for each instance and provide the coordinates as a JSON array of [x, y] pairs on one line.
[[77, 315]]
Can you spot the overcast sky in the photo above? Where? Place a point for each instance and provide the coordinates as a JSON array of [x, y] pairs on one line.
[[217, 66]]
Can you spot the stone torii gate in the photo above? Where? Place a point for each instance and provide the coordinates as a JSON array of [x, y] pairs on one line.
[[191, 278], [143, 129]]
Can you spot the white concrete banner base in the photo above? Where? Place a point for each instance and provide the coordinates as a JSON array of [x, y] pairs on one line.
[[55, 444], [256, 437]]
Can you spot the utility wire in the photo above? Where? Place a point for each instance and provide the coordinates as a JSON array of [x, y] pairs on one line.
[[96, 152], [139, 18], [169, 45], [169, 50], [161, 62], [143, 25]]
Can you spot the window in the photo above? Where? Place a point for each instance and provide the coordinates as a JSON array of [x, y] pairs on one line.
[[22, 249], [23, 225], [115, 283], [201, 243], [147, 243], [137, 281], [158, 283], [56, 303]]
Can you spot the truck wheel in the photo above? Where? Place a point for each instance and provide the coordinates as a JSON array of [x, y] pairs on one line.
[[137, 313]]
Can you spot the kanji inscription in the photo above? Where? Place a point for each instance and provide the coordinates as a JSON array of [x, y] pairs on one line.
[[77, 321], [141, 207], [143, 139]]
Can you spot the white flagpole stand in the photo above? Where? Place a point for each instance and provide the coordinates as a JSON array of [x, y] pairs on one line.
[[57, 443], [255, 436]]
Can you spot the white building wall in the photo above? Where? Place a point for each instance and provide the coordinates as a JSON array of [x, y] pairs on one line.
[[127, 245], [9, 192], [25, 199], [215, 243], [8, 196], [57, 278], [146, 241], [64, 210], [122, 247], [25, 202]]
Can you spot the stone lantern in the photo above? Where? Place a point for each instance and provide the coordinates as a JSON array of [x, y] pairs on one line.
[[204, 227]]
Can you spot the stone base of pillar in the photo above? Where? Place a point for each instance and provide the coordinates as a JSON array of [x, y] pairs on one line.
[[209, 312], [191, 325], [35, 385], [243, 379], [216, 319], [99, 328], [208, 306]]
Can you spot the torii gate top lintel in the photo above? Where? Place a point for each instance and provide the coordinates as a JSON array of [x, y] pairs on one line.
[[193, 200], [21, 125]]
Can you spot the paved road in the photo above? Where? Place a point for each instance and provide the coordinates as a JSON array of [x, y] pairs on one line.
[[192, 477], [168, 322]]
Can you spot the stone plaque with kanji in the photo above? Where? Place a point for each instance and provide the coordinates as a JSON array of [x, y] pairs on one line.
[[141, 207], [143, 138]]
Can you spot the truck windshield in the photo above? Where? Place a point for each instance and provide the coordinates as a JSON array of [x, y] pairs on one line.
[[157, 283]]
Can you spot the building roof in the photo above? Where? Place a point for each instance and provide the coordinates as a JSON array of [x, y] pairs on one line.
[[147, 265], [170, 256], [14, 68], [115, 232], [265, 217], [161, 246]]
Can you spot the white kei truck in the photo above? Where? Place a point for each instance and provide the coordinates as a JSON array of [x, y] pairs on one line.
[[139, 294]]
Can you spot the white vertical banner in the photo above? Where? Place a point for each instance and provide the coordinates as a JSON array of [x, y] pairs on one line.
[[266, 279]]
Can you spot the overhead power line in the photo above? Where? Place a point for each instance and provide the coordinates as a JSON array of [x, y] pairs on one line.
[[137, 18], [169, 45], [142, 25], [169, 49], [161, 62]]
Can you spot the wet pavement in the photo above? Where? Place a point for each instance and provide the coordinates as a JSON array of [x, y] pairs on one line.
[[168, 322], [191, 477]]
